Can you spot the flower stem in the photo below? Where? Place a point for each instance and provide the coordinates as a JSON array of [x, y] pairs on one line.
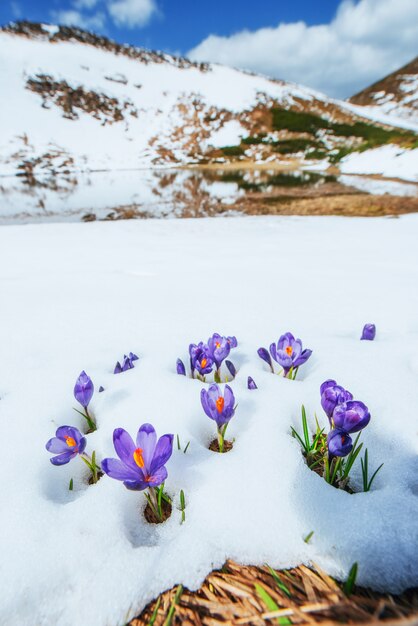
[[152, 500]]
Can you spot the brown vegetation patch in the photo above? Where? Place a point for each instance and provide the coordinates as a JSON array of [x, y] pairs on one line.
[[348, 204], [152, 518], [214, 446], [69, 99], [237, 594], [35, 30]]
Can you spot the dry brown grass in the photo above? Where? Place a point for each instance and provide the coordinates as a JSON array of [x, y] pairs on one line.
[[234, 595]]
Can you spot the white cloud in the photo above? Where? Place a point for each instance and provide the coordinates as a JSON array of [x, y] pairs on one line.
[[364, 41], [131, 13], [75, 18], [16, 9]]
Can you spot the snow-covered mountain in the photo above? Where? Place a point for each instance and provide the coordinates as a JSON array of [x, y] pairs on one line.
[[396, 94], [72, 100]]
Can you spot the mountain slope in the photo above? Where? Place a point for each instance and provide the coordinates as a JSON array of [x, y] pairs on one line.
[[395, 94], [76, 101]]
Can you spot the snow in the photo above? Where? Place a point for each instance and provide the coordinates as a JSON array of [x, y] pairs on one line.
[[379, 186], [390, 160], [230, 134], [391, 114], [77, 296]]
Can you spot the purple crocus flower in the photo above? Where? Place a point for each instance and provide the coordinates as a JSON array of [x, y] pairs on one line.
[[264, 354], [181, 370], [332, 395], [218, 407], [127, 363], [133, 356], [219, 348], [339, 442], [351, 416], [289, 353], [118, 368], [232, 341], [369, 332], [202, 361], [251, 383], [84, 389], [67, 443], [231, 368], [198, 353], [140, 464]]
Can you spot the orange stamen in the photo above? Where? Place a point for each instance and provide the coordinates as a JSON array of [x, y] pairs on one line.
[[289, 350], [138, 458], [220, 404], [217, 344], [203, 362], [70, 441]]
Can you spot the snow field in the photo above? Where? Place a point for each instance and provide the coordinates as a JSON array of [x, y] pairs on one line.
[[77, 296]]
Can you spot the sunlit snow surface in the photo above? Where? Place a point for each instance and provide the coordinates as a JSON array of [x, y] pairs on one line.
[[78, 296]]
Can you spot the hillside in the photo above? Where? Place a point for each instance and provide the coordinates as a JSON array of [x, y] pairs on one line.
[[76, 101], [396, 94]]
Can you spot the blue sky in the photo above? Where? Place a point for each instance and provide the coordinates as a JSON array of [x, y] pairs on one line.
[[336, 46], [179, 25]]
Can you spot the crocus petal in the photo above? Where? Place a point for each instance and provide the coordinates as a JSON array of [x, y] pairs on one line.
[[124, 447], [157, 477], [207, 404], [133, 357], [339, 443], [351, 416], [229, 400], [181, 370], [118, 368], [84, 389], [273, 351], [232, 341], [56, 446], [163, 451], [297, 350], [146, 439], [263, 354], [120, 471], [70, 431], [284, 359], [285, 340], [302, 358], [251, 383], [62, 459], [369, 332], [136, 485], [326, 384], [231, 368]]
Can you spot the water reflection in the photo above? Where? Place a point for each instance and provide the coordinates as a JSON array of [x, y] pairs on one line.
[[164, 193]]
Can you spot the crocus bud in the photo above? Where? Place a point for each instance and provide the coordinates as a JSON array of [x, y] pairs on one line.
[[264, 354], [231, 368], [333, 395], [351, 416], [118, 368], [369, 332], [339, 442], [84, 389], [232, 341], [181, 370], [251, 383], [101, 389], [133, 356], [127, 363]]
